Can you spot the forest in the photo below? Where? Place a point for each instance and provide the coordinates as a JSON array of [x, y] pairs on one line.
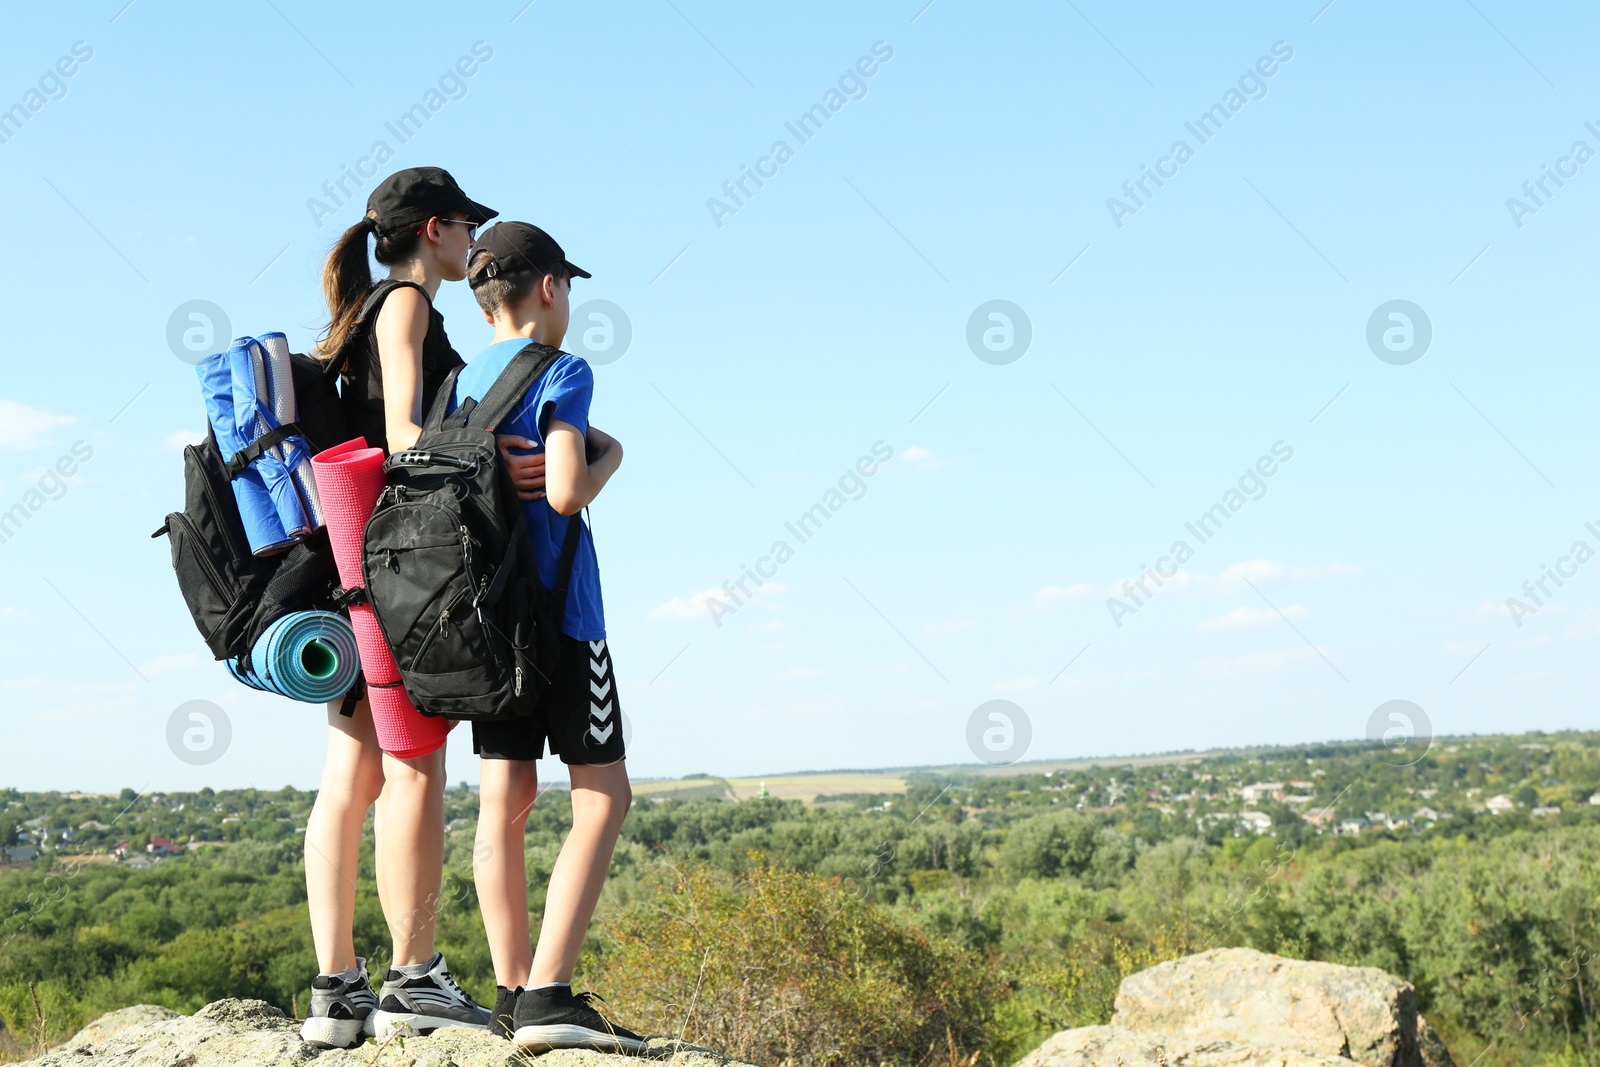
[[969, 917]]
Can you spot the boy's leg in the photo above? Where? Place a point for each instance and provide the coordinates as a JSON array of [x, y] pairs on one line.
[[412, 859], [507, 789], [601, 797], [352, 777]]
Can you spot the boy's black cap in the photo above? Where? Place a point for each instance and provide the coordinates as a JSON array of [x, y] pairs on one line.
[[522, 248], [420, 193]]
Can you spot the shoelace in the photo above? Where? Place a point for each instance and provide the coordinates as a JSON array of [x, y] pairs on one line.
[[449, 980], [588, 998]]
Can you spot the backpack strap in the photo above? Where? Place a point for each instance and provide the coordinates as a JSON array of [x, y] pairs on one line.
[[380, 293], [252, 452], [433, 421], [569, 554], [519, 534], [357, 690], [513, 385]]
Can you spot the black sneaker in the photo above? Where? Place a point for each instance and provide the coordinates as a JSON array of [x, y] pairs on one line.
[[424, 1004], [556, 1018], [341, 1012], [505, 1004]]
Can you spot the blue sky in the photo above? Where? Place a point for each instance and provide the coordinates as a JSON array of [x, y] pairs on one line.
[[777, 343]]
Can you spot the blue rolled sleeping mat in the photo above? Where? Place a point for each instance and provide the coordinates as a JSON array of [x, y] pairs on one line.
[[249, 393], [306, 655]]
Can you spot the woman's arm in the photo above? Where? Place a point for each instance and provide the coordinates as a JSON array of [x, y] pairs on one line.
[[571, 482], [402, 324]]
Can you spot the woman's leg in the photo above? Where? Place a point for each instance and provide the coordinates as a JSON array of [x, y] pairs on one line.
[[411, 859], [352, 777], [601, 797], [506, 792]]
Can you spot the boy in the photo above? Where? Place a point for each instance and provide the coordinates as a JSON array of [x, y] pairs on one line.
[[522, 281]]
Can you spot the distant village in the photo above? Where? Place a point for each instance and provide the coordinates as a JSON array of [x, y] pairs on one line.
[[1341, 789]]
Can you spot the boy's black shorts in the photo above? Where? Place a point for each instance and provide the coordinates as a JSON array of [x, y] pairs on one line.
[[579, 714]]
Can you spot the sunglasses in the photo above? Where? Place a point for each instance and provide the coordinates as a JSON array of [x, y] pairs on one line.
[[472, 227]]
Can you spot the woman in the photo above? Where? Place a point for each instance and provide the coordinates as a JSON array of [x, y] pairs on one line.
[[422, 225]]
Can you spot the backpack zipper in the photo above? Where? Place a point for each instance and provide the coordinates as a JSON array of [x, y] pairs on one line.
[[216, 505], [440, 627], [212, 575]]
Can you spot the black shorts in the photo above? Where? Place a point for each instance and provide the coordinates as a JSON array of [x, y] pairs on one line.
[[579, 714]]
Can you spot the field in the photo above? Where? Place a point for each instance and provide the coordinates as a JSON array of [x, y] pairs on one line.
[[807, 786]]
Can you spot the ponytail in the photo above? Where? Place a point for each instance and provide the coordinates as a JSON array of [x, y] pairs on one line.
[[347, 278]]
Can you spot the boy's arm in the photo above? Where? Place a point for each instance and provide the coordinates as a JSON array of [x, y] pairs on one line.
[[571, 481]]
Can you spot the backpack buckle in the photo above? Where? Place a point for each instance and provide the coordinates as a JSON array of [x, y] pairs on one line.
[[421, 457]]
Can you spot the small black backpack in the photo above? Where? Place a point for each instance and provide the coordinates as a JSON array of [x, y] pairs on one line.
[[450, 572], [232, 594]]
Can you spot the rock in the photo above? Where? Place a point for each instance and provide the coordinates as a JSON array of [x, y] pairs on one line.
[[1092, 1046], [1237, 1007], [117, 1021], [253, 1033], [227, 1032], [1238, 994]]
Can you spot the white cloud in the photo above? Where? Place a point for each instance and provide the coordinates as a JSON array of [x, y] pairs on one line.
[[771, 626], [954, 626], [801, 674], [1256, 570], [1247, 618], [1261, 570], [22, 426], [923, 458], [11, 614], [681, 609]]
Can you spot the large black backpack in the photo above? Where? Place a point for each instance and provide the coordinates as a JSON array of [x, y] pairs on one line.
[[449, 569], [232, 594]]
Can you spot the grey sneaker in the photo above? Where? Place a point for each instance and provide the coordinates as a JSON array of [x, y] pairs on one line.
[[424, 1004], [341, 1012]]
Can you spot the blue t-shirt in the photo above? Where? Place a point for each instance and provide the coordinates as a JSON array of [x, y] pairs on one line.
[[563, 393]]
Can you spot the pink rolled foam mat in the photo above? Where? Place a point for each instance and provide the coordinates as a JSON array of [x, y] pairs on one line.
[[349, 479]]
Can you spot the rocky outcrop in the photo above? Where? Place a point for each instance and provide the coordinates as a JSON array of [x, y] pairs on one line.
[[252, 1033], [1237, 1007], [1224, 1008]]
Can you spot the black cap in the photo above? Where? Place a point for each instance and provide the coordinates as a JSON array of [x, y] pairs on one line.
[[522, 248], [417, 194]]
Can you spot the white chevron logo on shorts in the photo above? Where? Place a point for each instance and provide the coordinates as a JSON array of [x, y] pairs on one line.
[[597, 647], [600, 735], [600, 691], [601, 713], [597, 668]]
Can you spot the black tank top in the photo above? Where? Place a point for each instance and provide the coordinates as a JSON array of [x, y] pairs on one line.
[[363, 384]]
